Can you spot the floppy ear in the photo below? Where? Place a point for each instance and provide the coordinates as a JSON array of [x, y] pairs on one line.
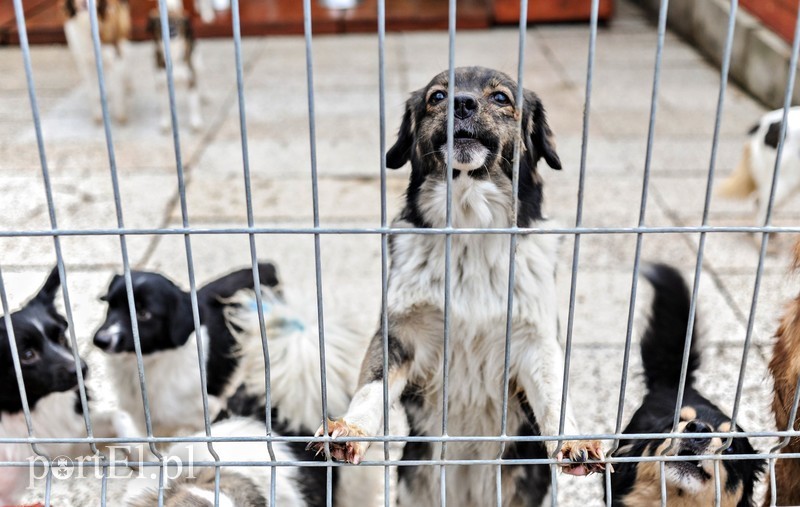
[[538, 136], [400, 153], [47, 293], [182, 319]]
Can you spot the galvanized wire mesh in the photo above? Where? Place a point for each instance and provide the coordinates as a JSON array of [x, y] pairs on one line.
[[385, 230]]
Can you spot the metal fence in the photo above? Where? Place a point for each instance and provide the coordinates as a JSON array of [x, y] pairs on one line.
[[385, 231]]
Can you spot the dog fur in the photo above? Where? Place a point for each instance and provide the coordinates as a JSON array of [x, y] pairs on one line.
[[235, 363], [185, 60], [785, 370], [753, 174], [689, 483], [114, 19], [50, 378], [242, 486], [485, 136], [169, 348]]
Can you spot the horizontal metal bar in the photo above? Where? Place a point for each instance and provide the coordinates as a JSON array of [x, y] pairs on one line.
[[434, 462], [406, 438], [795, 229]]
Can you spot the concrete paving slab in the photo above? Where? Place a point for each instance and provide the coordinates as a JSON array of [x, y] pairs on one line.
[[215, 199]]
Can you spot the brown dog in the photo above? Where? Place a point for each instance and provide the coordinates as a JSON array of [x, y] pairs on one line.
[[785, 369]]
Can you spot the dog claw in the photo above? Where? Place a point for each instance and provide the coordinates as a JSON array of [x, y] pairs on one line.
[[351, 452], [576, 457]]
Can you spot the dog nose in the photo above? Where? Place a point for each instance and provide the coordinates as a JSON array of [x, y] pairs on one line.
[[464, 106], [697, 427], [103, 339]]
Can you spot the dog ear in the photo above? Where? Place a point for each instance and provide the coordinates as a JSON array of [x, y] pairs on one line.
[[116, 280], [182, 318], [538, 136], [47, 293], [69, 8], [400, 153]]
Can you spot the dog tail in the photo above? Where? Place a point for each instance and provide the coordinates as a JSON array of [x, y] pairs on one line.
[[665, 337], [740, 183]]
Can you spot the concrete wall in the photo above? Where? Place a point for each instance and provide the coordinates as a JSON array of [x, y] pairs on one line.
[[760, 59]]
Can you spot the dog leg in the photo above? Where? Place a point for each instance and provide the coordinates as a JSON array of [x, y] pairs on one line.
[[195, 117], [365, 414], [116, 86], [539, 369], [161, 83]]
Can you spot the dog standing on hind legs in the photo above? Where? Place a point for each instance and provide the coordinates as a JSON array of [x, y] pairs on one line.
[[485, 136]]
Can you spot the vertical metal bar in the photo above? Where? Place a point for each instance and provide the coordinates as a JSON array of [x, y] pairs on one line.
[[317, 259], [448, 245], [512, 253], [662, 28], [237, 45], [578, 222], [787, 100], [25, 46], [765, 239], [201, 360], [23, 395], [384, 243], [701, 246]]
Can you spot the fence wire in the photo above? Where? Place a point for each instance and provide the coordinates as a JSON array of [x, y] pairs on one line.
[[385, 231]]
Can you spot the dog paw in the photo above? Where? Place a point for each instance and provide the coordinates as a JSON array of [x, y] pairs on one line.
[[575, 454], [350, 452]]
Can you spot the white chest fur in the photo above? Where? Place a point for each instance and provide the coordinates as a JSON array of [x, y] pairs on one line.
[[478, 320], [53, 417], [173, 388]]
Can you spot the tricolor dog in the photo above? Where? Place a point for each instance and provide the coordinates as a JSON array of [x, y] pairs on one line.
[[485, 127], [114, 20]]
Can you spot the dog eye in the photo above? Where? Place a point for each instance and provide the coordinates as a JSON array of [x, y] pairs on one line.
[[142, 314], [437, 97], [501, 98], [28, 356]]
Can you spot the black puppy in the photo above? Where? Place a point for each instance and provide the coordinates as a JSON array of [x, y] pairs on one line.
[[49, 375], [166, 331], [690, 482]]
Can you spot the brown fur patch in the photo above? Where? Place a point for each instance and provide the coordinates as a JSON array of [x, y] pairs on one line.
[[113, 16], [688, 413], [647, 488], [785, 369], [740, 183]]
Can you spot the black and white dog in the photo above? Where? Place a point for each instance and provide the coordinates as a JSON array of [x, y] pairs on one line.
[[235, 363], [690, 483], [486, 114], [49, 375], [169, 348]]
